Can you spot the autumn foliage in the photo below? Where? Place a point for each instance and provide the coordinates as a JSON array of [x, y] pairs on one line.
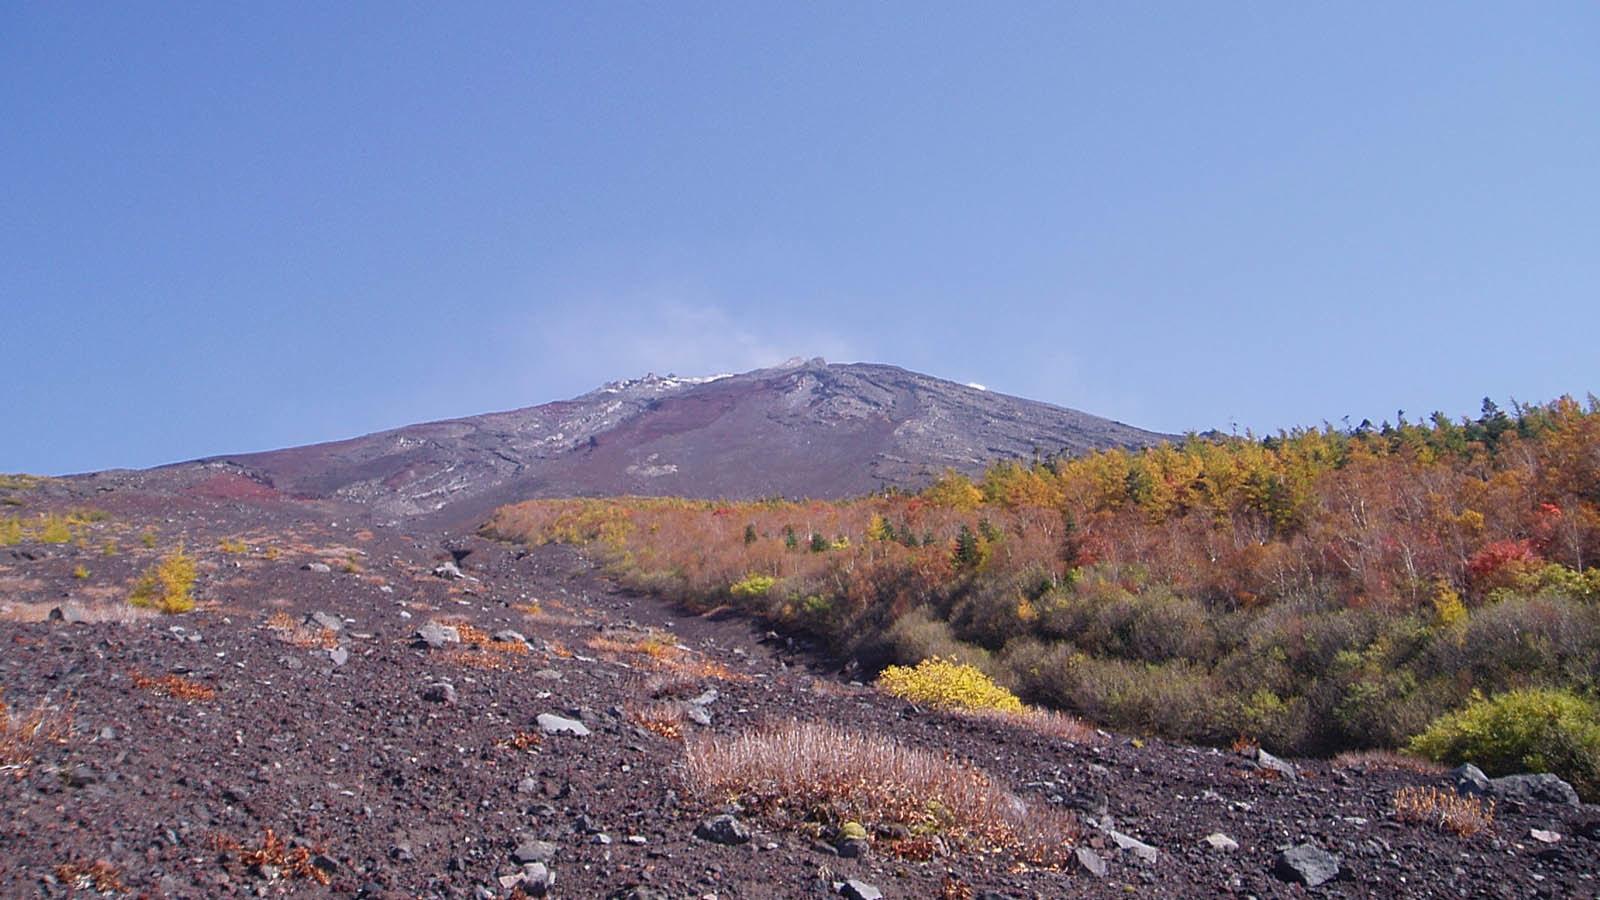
[[1320, 590]]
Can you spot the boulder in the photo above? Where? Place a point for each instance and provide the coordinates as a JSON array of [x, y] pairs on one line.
[[442, 692], [553, 724], [1306, 864], [1085, 860], [1271, 763], [325, 620], [68, 614], [1541, 788], [856, 889], [435, 636], [1469, 780], [722, 830]]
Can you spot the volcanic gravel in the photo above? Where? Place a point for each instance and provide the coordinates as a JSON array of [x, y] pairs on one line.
[[398, 770]]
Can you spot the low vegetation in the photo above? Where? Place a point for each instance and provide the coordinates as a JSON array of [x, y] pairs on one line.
[[1522, 731], [167, 586], [1320, 590], [823, 778], [1442, 809], [23, 736]]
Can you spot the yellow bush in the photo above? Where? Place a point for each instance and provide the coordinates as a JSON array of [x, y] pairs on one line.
[[753, 586], [168, 585], [941, 683]]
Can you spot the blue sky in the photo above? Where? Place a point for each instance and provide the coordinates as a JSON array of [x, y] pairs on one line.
[[230, 227]]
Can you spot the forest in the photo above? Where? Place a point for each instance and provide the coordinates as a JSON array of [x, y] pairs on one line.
[[1316, 591]]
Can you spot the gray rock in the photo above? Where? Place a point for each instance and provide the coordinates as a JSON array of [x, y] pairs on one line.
[[706, 699], [636, 892], [68, 614], [531, 851], [510, 637], [553, 724], [1470, 780], [722, 830], [529, 785], [697, 714], [1131, 846], [325, 620], [537, 879], [323, 568], [1219, 841], [338, 656], [402, 853], [853, 848], [1307, 864], [1089, 862], [856, 889], [443, 692], [1271, 763], [1541, 788], [448, 570], [435, 636]]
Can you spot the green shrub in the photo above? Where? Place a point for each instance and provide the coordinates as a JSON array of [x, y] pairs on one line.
[[1521, 731]]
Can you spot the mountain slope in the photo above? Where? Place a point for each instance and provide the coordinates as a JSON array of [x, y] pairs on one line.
[[803, 429]]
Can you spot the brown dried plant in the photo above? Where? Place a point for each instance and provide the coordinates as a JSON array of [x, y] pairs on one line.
[[521, 740], [174, 686], [664, 719], [301, 635], [1444, 810], [798, 774], [292, 862], [1387, 759], [21, 737], [99, 875]]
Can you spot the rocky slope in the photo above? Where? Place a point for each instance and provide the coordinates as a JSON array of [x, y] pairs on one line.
[[296, 729], [804, 429]]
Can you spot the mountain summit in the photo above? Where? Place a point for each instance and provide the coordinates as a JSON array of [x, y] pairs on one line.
[[806, 428]]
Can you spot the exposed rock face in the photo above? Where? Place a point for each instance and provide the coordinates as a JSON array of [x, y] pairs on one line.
[[805, 429]]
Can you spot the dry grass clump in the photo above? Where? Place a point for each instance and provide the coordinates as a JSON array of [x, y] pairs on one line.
[[663, 719], [299, 634], [21, 737], [811, 775], [99, 875], [274, 854], [175, 686], [1444, 810], [1044, 721], [1387, 759], [521, 740], [660, 650]]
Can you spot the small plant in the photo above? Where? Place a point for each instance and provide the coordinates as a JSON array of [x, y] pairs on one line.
[[663, 719], [291, 862], [20, 738], [175, 686], [110, 547], [99, 876], [1444, 810], [947, 684], [168, 585], [232, 546], [818, 777], [521, 740], [272, 552], [1521, 731], [54, 529], [80, 572], [350, 565], [11, 532], [148, 538]]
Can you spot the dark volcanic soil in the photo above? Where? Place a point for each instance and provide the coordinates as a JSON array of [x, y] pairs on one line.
[[328, 740]]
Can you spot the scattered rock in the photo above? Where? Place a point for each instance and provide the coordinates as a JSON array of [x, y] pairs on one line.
[[1541, 788], [1306, 864], [536, 879], [553, 724], [532, 851], [322, 568], [325, 620], [697, 714], [338, 656], [443, 692], [448, 570], [855, 889], [68, 614], [1131, 846], [510, 637], [1219, 841], [1543, 836], [1086, 860], [435, 636], [1469, 780], [402, 853], [722, 829], [1271, 763]]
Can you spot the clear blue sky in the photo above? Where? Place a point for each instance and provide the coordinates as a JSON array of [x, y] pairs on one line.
[[231, 227]]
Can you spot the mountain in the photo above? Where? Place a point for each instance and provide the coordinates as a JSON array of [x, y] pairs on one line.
[[807, 428]]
